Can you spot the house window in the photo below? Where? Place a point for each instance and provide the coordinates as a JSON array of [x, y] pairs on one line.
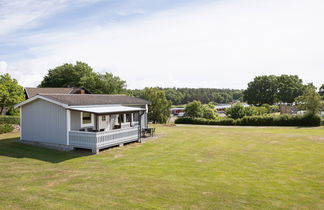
[[103, 118], [86, 118], [128, 117]]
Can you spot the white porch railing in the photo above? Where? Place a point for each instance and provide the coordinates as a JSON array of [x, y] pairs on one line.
[[98, 140]]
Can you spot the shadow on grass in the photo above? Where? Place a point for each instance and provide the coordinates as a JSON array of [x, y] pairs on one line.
[[11, 147]]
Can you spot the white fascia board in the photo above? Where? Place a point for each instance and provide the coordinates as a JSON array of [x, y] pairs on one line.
[[40, 97]]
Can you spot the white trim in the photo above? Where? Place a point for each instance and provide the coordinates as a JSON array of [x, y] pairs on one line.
[[20, 124], [101, 105], [89, 124], [40, 97], [68, 126]]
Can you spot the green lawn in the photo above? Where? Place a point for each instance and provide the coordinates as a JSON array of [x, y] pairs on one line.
[[187, 167]]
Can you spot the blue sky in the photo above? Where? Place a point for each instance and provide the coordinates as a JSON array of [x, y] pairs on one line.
[[181, 43]]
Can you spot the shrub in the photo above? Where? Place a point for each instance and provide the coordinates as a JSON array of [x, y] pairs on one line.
[[5, 119], [194, 109], [236, 111], [267, 120], [14, 112], [209, 112], [6, 128]]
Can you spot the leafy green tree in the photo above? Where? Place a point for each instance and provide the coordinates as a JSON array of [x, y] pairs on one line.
[[236, 111], [11, 92], [68, 75], [310, 101], [105, 83], [272, 89], [159, 110], [209, 112], [289, 87], [82, 75], [194, 109], [262, 90]]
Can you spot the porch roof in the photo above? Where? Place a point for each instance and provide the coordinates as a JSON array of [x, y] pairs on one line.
[[107, 109]]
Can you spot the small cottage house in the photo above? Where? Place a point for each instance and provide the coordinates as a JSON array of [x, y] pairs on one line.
[[90, 121]]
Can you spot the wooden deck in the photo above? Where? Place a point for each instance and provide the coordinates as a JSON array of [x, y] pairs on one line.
[[100, 140]]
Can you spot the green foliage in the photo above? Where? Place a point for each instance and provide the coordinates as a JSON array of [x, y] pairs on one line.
[[13, 111], [236, 111], [209, 111], [203, 121], [271, 89], [82, 75], [105, 83], [11, 92], [159, 110], [180, 96], [194, 109], [5, 119], [310, 101], [262, 90], [6, 128], [267, 120], [289, 87]]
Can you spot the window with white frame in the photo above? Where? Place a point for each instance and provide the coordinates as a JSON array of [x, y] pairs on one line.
[[86, 119], [103, 118]]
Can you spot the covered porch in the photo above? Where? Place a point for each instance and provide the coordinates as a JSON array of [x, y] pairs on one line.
[[98, 127]]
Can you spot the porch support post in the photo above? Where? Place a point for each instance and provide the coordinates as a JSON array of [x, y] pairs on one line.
[[96, 122], [68, 126]]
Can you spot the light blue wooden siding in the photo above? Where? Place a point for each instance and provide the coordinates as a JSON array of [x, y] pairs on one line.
[[44, 122], [75, 120]]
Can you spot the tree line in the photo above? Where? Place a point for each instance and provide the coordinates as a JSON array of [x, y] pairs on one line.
[[262, 90], [180, 96]]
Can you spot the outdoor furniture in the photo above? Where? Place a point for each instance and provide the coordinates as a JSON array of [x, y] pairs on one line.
[[148, 132]]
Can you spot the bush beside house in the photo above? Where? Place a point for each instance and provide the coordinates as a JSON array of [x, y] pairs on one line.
[[6, 128], [6, 119]]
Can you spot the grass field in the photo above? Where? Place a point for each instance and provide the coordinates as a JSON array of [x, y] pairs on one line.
[[187, 167]]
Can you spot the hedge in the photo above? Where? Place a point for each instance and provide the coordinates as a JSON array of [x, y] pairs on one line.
[[5, 119], [267, 120], [6, 128]]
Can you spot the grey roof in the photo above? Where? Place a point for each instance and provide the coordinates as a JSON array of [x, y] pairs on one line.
[[95, 99], [32, 91]]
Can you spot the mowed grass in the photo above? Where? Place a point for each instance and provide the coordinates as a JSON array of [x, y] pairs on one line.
[[187, 167]]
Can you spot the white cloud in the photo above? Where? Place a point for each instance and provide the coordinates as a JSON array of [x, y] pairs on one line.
[[16, 14], [3, 67], [220, 44]]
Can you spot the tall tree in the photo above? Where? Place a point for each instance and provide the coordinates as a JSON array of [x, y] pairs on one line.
[[262, 90], [194, 109], [105, 83], [159, 110], [68, 75], [289, 87], [310, 101], [11, 92], [82, 75]]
